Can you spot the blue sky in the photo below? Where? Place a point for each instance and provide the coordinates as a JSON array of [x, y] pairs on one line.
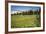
[[14, 8]]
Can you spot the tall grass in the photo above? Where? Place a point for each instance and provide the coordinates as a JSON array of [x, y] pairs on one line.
[[24, 21]]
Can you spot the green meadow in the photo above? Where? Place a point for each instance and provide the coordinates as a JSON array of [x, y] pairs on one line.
[[24, 21]]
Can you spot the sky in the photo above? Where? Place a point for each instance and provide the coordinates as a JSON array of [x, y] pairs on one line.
[[24, 8]]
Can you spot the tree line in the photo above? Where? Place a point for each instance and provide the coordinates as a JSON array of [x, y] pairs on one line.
[[30, 12]]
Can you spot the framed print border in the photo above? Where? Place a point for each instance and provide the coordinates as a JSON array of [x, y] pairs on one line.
[[6, 16]]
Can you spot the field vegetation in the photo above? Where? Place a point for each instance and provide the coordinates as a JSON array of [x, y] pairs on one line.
[[25, 19]]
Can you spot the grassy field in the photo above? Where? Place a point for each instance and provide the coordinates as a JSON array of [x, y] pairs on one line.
[[24, 21]]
